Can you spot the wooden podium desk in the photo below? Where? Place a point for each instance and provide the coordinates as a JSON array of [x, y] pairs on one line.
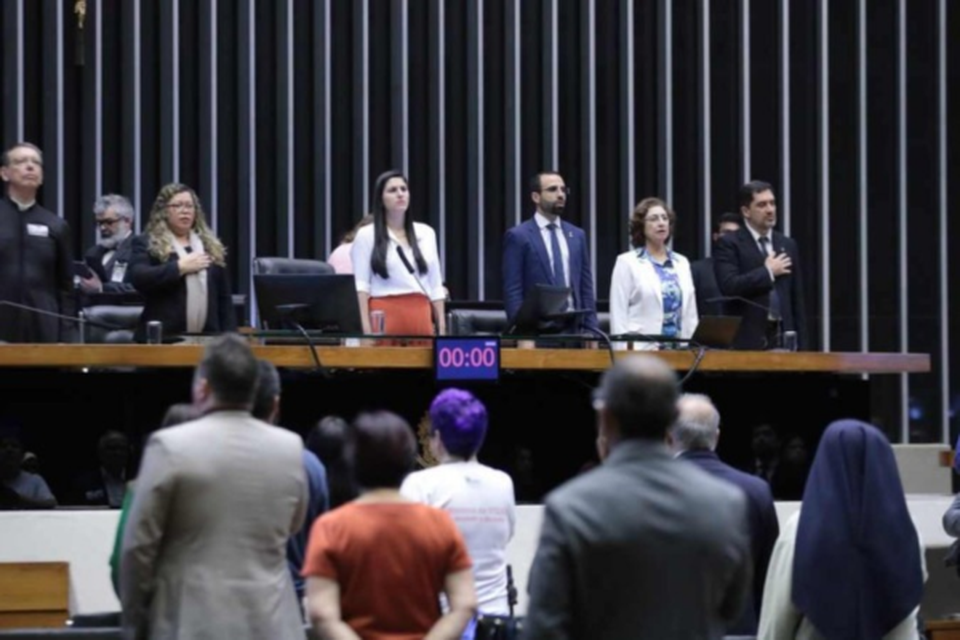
[[65, 396], [105, 355]]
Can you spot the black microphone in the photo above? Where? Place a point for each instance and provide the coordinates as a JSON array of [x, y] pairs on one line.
[[768, 312], [83, 322], [511, 590], [413, 272]]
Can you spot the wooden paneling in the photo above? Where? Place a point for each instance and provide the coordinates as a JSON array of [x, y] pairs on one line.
[[34, 594]]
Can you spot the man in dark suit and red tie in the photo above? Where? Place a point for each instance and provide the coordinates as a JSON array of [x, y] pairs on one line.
[[531, 251], [759, 268]]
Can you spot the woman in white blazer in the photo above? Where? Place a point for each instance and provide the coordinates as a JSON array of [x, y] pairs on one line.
[[651, 292]]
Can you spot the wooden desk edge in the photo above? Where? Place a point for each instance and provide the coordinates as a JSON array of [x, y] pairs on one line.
[[422, 358]]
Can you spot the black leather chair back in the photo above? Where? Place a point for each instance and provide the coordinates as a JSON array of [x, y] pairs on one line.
[[119, 323], [290, 266], [471, 322]]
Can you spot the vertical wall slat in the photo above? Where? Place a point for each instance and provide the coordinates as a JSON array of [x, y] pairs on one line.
[[862, 176], [247, 145], [53, 102], [98, 103], [588, 21], [703, 107], [286, 163], [628, 173], [322, 167], [475, 151], [745, 168], [361, 103], [783, 189], [665, 81], [12, 74], [169, 92], [400, 72], [943, 231], [209, 184], [823, 160], [902, 209], [513, 179], [551, 72], [438, 140]]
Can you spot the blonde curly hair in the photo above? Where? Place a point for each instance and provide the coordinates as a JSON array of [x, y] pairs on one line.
[[160, 246]]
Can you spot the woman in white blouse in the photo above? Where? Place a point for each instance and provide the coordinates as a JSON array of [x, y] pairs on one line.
[[397, 266], [651, 292]]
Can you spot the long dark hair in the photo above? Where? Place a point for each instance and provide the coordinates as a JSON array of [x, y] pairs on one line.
[[381, 239]]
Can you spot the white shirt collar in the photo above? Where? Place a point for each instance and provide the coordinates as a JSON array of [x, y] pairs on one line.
[[543, 221], [23, 206], [757, 235]]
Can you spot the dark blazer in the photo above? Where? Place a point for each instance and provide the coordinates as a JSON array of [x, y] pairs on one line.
[[165, 293], [36, 270], [526, 264], [740, 270], [706, 288], [94, 259], [644, 546], [763, 523]]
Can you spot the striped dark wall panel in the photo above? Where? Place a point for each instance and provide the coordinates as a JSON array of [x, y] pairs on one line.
[[282, 112]]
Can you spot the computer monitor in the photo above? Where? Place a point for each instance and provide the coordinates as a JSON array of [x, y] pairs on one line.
[[544, 311], [717, 332], [318, 302]]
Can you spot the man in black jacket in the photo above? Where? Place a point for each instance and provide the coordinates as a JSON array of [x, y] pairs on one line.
[[761, 267], [704, 278], [36, 256], [109, 258]]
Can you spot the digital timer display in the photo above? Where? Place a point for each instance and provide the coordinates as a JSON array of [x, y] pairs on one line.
[[466, 359]]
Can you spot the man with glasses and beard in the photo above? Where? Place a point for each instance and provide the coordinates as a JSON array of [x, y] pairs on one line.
[[547, 250], [108, 259]]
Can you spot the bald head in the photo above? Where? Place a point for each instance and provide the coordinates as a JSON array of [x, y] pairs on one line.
[[640, 394], [698, 424]]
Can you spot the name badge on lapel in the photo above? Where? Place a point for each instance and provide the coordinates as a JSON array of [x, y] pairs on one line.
[[119, 270], [39, 230]]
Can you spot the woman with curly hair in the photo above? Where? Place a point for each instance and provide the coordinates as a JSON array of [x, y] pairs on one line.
[[179, 266]]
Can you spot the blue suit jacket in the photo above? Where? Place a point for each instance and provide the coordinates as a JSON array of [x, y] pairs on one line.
[[526, 263], [764, 527]]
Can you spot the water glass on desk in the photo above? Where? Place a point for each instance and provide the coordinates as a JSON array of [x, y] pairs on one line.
[[154, 332], [378, 323], [789, 340]]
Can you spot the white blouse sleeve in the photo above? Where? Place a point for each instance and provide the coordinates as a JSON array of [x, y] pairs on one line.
[[621, 285], [360, 254], [432, 256]]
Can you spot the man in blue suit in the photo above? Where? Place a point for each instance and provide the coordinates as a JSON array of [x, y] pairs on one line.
[[530, 250], [694, 437]]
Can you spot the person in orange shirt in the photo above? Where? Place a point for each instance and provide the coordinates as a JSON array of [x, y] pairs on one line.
[[375, 567]]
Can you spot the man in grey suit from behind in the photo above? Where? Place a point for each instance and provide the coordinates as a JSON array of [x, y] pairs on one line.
[[645, 546], [204, 549]]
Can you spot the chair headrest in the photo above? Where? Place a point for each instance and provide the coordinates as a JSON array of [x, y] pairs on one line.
[[276, 265], [465, 322]]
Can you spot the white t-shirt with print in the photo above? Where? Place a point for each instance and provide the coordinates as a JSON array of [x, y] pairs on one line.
[[480, 500]]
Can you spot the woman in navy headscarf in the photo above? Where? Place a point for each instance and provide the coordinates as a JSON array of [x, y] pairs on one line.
[[849, 565]]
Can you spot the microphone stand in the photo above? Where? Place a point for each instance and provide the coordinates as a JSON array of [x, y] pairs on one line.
[[80, 320], [287, 312]]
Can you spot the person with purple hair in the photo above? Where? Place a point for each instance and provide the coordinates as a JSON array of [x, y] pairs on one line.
[[479, 498]]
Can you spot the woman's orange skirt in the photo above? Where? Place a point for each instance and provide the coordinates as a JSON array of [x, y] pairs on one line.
[[407, 315]]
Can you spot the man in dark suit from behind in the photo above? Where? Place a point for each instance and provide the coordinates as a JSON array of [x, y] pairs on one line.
[[530, 253], [643, 546], [704, 279], [694, 437], [762, 267]]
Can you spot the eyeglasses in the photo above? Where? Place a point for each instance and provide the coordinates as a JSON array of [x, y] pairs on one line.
[[107, 222], [555, 188], [181, 206]]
